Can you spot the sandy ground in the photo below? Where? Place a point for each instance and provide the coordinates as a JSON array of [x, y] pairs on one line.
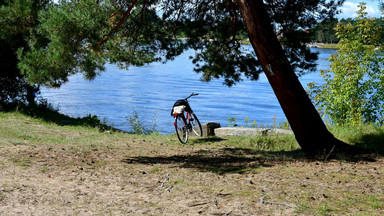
[[138, 178]]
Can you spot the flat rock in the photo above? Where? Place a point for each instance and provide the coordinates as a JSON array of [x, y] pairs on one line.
[[238, 131]]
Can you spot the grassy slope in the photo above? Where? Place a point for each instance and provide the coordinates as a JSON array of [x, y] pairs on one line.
[[74, 169]]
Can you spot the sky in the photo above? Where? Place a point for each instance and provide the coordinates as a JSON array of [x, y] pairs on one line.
[[349, 8]]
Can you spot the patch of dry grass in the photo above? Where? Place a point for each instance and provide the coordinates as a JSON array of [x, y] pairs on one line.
[[72, 170]]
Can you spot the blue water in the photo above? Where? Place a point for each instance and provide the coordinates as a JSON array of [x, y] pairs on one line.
[[151, 91]]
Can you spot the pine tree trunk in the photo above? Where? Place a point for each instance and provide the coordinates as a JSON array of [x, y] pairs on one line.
[[306, 123]]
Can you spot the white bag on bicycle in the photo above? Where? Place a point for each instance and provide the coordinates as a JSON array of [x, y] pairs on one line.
[[178, 109]]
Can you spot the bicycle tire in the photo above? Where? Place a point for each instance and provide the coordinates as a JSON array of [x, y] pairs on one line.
[[181, 129], [196, 126]]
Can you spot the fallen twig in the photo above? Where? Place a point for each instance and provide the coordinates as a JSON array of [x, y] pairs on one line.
[[166, 179], [197, 204], [220, 195], [262, 201], [329, 153], [168, 189]]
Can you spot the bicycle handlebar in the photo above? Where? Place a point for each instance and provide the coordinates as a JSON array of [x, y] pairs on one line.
[[193, 94]]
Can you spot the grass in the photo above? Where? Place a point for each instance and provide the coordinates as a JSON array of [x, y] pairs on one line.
[[57, 164], [327, 46], [368, 136], [24, 162]]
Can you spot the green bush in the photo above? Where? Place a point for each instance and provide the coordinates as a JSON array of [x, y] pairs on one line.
[[353, 89]]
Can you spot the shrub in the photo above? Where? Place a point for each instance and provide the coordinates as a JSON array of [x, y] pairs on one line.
[[353, 89], [138, 127]]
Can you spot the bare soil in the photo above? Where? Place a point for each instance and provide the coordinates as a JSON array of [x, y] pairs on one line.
[[140, 176]]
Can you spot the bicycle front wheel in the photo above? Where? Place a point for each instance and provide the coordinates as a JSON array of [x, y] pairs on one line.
[[196, 126], [181, 129]]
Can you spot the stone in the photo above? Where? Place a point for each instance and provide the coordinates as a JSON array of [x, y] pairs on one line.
[[239, 131], [209, 128]]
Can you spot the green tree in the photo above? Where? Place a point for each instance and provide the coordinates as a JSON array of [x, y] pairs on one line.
[[381, 7], [353, 89], [18, 18], [12, 84], [325, 32], [79, 36]]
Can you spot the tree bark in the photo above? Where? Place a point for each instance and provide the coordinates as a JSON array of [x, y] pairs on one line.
[[306, 123]]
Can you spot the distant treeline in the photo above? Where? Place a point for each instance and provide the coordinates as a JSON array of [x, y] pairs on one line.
[[325, 32]]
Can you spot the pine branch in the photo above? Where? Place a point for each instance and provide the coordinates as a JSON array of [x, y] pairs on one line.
[[126, 14]]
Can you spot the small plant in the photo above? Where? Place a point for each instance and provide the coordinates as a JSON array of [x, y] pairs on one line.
[[375, 202], [44, 105], [95, 122], [138, 126], [91, 120], [254, 124], [284, 125], [273, 143], [155, 169], [276, 123], [246, 120], [154, 124], [2, 197], [324, 210], [44, 169], [232, 122], [24, 162]]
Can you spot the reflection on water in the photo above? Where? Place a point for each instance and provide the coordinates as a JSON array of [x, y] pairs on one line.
[[151, 91]]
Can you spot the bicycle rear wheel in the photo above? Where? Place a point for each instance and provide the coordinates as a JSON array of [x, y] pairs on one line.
[[181, 129], [196, 126]]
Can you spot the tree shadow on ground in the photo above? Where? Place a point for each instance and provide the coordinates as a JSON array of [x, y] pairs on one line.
[[205, 140], [224, 160], [373, 142], [239, 160]]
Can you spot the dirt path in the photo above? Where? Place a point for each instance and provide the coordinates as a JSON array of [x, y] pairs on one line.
[[151, 178]]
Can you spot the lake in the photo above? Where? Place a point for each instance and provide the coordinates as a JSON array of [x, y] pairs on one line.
[[151, 91]]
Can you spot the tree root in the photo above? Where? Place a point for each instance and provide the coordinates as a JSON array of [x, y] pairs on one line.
[[339, 149]]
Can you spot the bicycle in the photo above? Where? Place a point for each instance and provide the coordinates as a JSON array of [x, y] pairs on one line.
[[185, 123]]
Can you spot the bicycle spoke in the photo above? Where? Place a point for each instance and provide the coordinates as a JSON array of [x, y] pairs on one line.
[[181, 129], [196, 126]]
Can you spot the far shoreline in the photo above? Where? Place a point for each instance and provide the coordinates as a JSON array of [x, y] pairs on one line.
[[323, 45], [312, 45]]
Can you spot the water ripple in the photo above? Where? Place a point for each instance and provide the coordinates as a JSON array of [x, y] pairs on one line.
[[151, 91]]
